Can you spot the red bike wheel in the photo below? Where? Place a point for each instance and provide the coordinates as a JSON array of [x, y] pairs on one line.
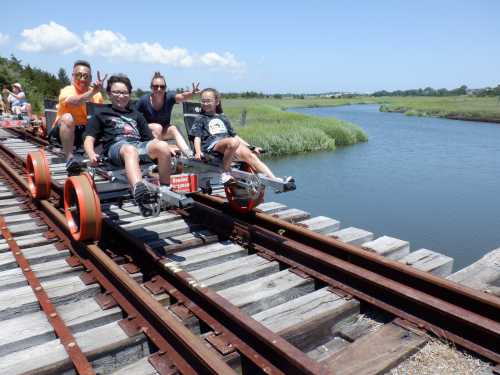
[[82, 208], [38, 173]]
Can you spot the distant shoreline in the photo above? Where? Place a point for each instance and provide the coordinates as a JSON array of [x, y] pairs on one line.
[[449, 116], [466, 108]]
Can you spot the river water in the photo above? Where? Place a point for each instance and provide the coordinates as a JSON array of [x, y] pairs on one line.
[[432, 182]]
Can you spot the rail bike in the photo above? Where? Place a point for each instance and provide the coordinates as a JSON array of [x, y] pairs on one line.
[[91, 187], [13, 121], [8, 121]]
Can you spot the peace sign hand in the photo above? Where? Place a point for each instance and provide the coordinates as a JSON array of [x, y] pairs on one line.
[[99, 83], [196, 88]]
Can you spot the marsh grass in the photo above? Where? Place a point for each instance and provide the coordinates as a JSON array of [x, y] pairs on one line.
[[462, 107], [269, 126]]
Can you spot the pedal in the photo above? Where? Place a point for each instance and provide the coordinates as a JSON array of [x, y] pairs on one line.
[[173, 199]]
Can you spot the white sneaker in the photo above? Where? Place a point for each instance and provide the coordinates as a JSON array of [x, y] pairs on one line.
[[286, 179], [225, 177]]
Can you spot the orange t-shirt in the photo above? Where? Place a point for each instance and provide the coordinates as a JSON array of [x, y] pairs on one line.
[[79, 112]]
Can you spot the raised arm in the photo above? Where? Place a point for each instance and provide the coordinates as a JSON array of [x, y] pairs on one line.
[[19, 96], [179, 98], [85, 97]]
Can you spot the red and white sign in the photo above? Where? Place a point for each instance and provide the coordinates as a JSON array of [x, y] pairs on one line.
[[185, 182], [11, 123]]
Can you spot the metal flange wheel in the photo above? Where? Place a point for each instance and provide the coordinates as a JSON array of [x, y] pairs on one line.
[[38, 172], [82, 208]]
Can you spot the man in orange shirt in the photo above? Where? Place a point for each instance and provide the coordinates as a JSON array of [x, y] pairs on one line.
[[72, 111]]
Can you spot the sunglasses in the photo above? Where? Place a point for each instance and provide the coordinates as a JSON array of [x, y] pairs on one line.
[[79, 75], [161, 87]]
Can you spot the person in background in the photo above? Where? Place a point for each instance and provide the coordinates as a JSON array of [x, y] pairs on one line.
[[71, 116], [157, 109], [126, 140], [18, 103], [212, 131], [5, 105]]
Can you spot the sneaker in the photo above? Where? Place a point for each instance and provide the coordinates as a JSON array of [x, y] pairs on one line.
[[225, 178], [286, 179], [288, 183], [73, 167], [144, 198]]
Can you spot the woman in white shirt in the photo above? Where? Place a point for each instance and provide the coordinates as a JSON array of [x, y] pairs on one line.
[[17, 99]]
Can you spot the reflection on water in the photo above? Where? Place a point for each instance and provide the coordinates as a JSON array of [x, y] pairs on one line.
[[433, 182]]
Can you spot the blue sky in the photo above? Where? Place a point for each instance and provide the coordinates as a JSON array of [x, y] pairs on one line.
[[300, 47]]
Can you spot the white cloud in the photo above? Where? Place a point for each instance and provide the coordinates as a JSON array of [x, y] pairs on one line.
[[49, 38], [4, 38], [226, 61], [115, 46]]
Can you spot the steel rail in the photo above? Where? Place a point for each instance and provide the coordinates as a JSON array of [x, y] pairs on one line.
[[26, 134], [190, 355], [266, 349], [465, 316], [254, 341], [80, 361]]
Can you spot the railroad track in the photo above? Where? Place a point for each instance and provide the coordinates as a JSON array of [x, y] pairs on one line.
[[203, 291]]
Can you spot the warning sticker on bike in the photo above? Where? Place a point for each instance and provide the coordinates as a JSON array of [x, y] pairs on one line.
[[185, 182]]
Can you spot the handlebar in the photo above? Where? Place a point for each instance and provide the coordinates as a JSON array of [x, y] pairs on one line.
[[100, 160]]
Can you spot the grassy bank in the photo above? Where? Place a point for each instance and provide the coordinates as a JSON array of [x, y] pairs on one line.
[[283, 133], [452, 107]]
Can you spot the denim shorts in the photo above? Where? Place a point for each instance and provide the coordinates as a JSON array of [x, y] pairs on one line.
[[142, 149], [211, 146]]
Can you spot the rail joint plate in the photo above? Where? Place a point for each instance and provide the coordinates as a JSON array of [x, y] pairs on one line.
[[181, 310], [162, 364], [156, 285], [130, 326], [105, 300], [220, 342]]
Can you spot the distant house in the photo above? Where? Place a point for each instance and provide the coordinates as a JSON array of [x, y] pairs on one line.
[[472, 91]]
